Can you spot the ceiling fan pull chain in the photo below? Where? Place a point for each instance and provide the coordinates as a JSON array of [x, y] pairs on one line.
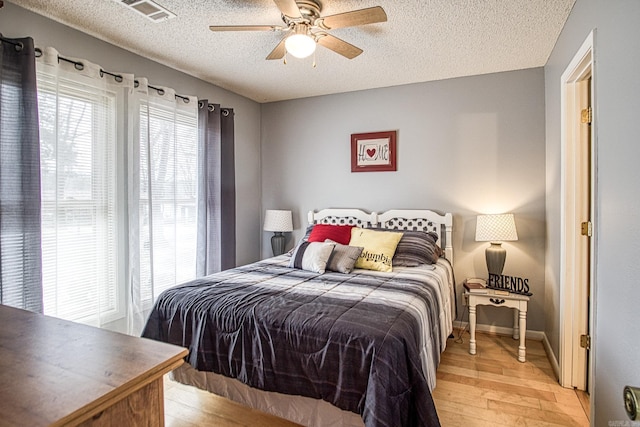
[[314, 60], [285, 58]]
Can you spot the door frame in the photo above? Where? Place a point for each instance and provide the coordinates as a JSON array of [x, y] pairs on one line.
[[573, 310]]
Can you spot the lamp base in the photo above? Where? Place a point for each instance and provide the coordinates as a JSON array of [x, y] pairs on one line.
[[277, 243], [495, 255]]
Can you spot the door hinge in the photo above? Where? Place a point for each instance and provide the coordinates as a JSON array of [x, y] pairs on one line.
[[585, 341], [586, 115], [586, 228]]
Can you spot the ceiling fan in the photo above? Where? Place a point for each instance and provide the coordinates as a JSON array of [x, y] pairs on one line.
[[304, 28]]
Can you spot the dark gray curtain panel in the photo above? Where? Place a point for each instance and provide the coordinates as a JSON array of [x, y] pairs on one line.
[[228, 192], [20, 238], [216, 189]]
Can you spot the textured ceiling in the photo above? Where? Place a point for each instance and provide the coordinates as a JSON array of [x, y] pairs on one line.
[[423, 40]]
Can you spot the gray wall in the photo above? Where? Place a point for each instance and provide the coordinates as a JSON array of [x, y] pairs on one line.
[[467, 146], [18, 22], [617, 103]]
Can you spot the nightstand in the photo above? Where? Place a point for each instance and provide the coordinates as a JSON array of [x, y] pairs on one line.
[[516, 301]]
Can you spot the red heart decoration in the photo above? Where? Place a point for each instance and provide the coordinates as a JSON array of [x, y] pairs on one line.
[[371, 152]]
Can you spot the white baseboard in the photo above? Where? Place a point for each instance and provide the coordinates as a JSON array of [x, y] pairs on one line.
[[501, 330], [552, 357], [530, 335]]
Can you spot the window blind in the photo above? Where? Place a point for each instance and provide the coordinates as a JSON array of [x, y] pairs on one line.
[[79, 229]]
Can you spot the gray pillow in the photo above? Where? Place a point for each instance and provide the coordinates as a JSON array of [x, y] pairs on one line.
[[343, 257]]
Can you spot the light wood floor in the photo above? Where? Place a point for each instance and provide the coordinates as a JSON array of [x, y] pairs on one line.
[[186, 406], [490, 388]]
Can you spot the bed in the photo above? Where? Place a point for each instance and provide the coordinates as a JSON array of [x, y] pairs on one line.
[[331, 348]]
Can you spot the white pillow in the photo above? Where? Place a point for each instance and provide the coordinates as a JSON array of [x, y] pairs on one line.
[[311, 256]]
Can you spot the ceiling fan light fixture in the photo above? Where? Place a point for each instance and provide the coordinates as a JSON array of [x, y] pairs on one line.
[[300, 44]]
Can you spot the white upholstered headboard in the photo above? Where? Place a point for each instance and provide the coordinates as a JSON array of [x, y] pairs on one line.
[[396, 219]]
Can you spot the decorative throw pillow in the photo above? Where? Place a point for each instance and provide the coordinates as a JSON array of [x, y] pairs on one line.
[[338, 233], [416, 248], [343, 258], [304, 239], [307, 232], [311, 256], [379, 247]]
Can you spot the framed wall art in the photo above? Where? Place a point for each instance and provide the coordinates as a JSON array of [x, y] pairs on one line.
[[373, 152]]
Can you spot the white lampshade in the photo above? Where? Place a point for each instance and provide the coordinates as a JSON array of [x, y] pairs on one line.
[[496, 228], [300, 44], [278, 220]]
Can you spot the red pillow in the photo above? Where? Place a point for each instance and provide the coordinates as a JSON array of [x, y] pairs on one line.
[[337, 233]]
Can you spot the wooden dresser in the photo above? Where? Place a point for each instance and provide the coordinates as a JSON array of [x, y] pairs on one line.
[[59, 373]]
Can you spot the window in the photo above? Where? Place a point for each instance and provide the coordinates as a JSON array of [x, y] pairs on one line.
[[86, 199], [79, 224]]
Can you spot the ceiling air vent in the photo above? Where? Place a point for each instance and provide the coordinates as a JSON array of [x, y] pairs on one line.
[[149, 8]]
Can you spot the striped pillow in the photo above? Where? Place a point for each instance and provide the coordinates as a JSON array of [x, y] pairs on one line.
[[311, 256], [416, 248], [305, 238], [343, 258]]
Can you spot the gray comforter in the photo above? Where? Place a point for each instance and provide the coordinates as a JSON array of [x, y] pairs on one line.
[[353, 340]]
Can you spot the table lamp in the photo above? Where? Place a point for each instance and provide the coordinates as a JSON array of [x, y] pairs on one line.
[[278, 221], [496, 229]]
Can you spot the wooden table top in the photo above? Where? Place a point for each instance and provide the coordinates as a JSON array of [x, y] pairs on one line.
[[53, 371]]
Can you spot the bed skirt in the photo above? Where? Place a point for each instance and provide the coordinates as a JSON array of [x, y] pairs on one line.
[[299, 409]]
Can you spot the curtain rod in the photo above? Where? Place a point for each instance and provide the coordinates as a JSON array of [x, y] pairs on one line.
[[117, 77], [18, 45]]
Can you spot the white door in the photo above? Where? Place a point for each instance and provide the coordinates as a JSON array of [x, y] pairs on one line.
[[578, 219]]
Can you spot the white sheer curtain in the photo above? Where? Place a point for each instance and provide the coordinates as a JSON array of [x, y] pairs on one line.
[[120, 187], [162, 195]]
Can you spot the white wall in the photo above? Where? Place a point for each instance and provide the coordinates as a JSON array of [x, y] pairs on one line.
[[18, 22], [617, 231], [467, 146]]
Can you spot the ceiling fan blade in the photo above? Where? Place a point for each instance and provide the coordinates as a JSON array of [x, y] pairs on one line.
[[288, 8], [339, 46], [245, 28], [370, 15], [279, 51]]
